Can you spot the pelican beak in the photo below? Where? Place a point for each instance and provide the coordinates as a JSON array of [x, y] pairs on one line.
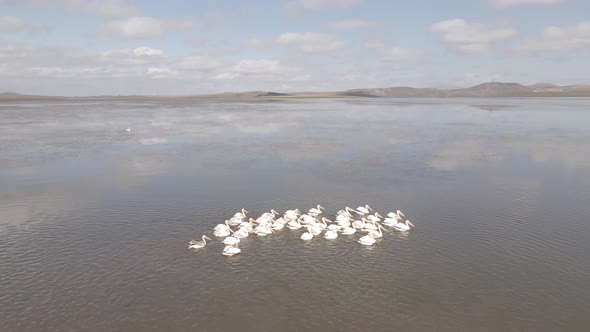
[[410, 223], [208, 238]]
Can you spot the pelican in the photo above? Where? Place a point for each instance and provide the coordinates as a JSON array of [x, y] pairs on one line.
[[375, 217], [362, 210], [330, 234], [367, 240], [196, 244], [348, 230], [263, 230], [231, 250], [403, 226], [269, 215], [360, 223], [315, 229], [370, 226], [396, 215], [223, 232], [231, 240], [307, 219], [241, 215], [348, 209], [307, 235], [376, 234], [234, 221], [316, 210], [221, 226], [292, 214], [278, 225], [241, 233], [128, 130], [248, 225], [294, 224]]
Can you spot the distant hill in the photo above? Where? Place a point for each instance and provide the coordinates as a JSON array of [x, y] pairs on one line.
[[485, 90]]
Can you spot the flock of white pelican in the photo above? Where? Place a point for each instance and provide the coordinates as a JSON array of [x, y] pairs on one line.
[[347, 222]]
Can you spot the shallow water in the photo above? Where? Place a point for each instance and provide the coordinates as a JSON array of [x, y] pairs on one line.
[[94, 221]]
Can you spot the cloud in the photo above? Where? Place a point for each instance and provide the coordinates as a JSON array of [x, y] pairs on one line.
[[470, 38], [515, 3], [252, 42], [310, 42], [405, 55], [110, 8], [11, 23], [201, 63], [316, 5], [350, 24], [141, 27], [558, 39], [260, 66]]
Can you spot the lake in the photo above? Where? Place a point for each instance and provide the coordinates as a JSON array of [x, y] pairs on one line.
[[95, 220]]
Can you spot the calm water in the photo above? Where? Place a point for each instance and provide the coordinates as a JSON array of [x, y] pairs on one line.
[[94, 221]]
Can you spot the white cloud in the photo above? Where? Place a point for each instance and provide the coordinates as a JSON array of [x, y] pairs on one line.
[[260, 66], [132, 56], [198, 63], [514, 3], [11, 23], [350, 24], [252, 42], [470, 38], [142, 27], [315, 5], [311, 42], [96, 7], [405, 55], [558, 38]]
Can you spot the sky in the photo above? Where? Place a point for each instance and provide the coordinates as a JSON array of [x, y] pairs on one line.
[[173, 47]]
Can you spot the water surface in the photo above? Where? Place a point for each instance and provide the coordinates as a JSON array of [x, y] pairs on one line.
[[94, 220]]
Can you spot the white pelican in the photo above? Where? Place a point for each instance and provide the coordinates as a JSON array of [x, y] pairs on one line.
[[248, 225], [231, 250], [315, 229], [294, 224], [196, 244], [375, 217], [278, 225], [370, 226], [231, 240], [292, 214], [348, 209], [316, 210], [223, 232], [261, 230], [348, 230], [377, 234], [367, 240], [390, 221], [333, 227], [330, 234], [269, 215], [359, 223], [234, 221], [362, 210], [307, 219], [307, 235], [241, 233], [397, 214], [221, 226], [241, 215], [403, 226]]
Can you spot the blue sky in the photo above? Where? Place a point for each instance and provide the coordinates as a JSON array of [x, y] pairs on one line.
[[88, 47]]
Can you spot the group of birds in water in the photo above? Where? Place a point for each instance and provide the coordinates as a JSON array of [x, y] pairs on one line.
[[347, 222]]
